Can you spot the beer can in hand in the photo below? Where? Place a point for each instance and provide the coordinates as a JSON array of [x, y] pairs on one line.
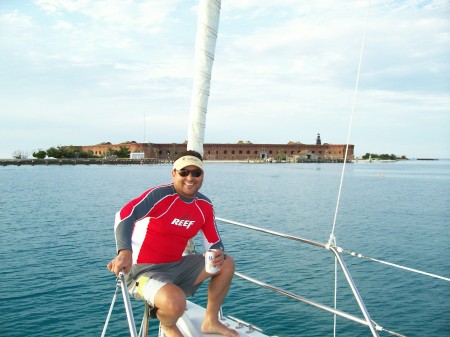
[[209, 256]]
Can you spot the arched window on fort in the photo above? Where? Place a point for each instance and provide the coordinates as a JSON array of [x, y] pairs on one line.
[[247, 152], [224, 151]]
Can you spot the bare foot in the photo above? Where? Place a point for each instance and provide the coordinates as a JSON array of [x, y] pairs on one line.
[[218, 328], [171, 331]]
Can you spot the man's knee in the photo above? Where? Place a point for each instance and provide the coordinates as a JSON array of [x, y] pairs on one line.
[[228, 264], [171, 299]]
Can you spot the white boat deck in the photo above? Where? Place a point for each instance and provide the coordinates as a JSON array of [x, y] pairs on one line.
[[190, 323]]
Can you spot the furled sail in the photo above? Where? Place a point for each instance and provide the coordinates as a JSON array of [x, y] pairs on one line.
[[205, 45]]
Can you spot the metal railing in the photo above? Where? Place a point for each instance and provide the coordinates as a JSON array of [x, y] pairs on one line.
[[367, 321]]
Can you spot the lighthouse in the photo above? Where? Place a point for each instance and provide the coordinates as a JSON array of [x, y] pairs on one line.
[[318, 141]]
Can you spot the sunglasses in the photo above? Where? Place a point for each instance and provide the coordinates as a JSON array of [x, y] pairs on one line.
[[185, 172]]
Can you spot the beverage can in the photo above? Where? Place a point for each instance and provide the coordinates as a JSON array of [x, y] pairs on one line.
[[209, 256]]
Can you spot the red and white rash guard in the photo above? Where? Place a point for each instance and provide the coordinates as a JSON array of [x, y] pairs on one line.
[[157, 225]]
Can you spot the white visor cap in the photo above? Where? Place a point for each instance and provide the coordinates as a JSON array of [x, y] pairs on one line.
[[187, 161]]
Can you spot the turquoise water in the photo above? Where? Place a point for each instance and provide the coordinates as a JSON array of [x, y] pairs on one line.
[[57, 236]]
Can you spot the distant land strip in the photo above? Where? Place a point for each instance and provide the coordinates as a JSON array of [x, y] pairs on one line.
[[125, 161], [90, 161]]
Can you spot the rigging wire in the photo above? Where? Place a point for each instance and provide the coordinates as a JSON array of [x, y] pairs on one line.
[[341, 250], [350, 124], [332, 239], [108, 317], [322, 245], [335, 295]]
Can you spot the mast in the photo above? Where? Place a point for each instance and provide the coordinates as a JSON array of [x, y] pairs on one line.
[[205, 45]]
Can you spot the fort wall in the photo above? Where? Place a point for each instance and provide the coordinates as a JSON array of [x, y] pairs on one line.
[[236, 152]]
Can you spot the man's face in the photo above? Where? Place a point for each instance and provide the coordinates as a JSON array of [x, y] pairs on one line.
[[189, 185]]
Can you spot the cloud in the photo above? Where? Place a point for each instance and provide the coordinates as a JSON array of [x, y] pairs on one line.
[[283, 70]]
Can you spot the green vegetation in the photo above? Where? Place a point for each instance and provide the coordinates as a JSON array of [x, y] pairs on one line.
[[375, 156], [40, 154], [281, 155], [71, 151], [123, 152], [67, 152]]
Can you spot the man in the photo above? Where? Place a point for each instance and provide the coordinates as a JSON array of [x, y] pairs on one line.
[[151, 234]]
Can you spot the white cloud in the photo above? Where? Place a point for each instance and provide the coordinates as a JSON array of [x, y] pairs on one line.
[[284, 70]]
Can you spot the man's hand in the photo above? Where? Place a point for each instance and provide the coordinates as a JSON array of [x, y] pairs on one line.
[[122, 261], [219, 260]]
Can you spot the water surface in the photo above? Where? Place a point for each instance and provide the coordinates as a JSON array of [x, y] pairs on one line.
[[57, 236]]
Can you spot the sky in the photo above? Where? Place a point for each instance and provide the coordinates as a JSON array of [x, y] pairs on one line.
[[83, 72]]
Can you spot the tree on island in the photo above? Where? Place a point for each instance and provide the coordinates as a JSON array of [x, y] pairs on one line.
[[281, 155], [40, 154], [19, 154], [123, 152], [69, 152], [383, 156]]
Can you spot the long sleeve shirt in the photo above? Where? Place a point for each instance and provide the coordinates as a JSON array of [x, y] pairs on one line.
[[157, 225]]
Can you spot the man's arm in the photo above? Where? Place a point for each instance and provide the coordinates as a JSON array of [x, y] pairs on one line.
[[211, 237], [134, 211], [124, 224]]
